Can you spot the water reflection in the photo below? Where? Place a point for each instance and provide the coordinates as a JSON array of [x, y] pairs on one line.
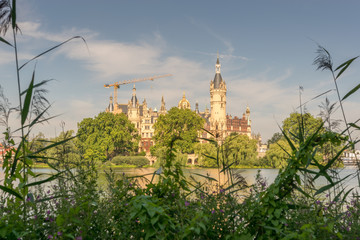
[[248, 174]]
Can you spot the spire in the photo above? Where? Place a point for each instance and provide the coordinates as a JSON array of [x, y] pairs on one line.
[[134, 98], [217, 65], [217, 78], [162, 108]]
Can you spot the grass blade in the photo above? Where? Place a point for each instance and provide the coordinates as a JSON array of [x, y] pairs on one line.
[[53, 177], [39, 116], [4, 41], [10, 191], [354, 125], [204, 176], [351, 92], [27, 102], [49, 50], [38, 85], [327, 187], [54, 145], [344, 66]]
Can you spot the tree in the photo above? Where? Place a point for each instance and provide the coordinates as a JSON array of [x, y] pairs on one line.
[[38, 142], [278, 153], [276, 137], [311, 124], [106, 136], [206, 153], [240, 149], [180, 124], [66, 153]]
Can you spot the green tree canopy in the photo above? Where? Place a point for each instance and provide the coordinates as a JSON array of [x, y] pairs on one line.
[[206, 153], [65, 153], [182, 124], [240, 149], [106, 136], [291, 124], [276, 137], [278, 153]]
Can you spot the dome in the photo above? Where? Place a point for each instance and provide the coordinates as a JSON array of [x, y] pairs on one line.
[[184, 103]]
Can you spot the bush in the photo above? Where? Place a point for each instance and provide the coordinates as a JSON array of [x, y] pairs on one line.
[[138, 161]]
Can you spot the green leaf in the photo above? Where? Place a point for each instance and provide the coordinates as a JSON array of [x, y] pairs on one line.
[[16, 158], [351, 92], [327, 187], [288, 140], [38, 117], [227, 167], [344, 66], [28, 99], [303, 192], [354, 125], [54, 145], [154, 220], [37, 85], [49, 179], [49, 50], [4, 41], [204, 176], [208, 156], [11, 191]]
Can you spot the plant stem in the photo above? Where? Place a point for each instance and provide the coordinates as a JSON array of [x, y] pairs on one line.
[[22, 125], [341, 106]]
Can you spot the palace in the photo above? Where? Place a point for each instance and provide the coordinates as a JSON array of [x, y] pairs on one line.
[[217, 121]]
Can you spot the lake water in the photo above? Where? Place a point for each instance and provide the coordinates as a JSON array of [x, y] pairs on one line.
[[247, 174]]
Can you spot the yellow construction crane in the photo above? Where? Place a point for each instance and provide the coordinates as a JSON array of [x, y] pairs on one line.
[[117, 84]]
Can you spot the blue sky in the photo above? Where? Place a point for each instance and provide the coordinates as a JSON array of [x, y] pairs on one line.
[[266, 51]]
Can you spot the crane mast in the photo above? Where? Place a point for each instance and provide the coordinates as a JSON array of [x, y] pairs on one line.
[[116, 85]]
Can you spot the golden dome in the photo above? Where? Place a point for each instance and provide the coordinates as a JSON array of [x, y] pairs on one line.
[[184, 103]]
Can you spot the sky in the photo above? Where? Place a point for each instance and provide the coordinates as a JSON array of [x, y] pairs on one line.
[[266, 49]]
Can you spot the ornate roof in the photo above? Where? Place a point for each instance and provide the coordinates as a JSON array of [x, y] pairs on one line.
[[184, 103], [217, 80]]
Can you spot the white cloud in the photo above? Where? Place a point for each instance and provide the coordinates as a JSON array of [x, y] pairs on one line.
[[33, 30]]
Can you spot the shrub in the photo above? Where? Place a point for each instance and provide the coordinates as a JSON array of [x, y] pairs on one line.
[[138, 161]]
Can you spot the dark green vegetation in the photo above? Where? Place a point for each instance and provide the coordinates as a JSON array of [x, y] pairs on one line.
[[70, 205], [106, 136], [239, 150], [183, 124]]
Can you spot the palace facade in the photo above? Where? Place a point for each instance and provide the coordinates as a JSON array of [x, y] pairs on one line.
[[217, 121]]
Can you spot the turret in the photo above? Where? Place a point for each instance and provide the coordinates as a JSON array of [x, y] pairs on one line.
[[218, 103]]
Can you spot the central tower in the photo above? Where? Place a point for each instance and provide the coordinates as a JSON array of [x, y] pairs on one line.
[[218, 103]]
